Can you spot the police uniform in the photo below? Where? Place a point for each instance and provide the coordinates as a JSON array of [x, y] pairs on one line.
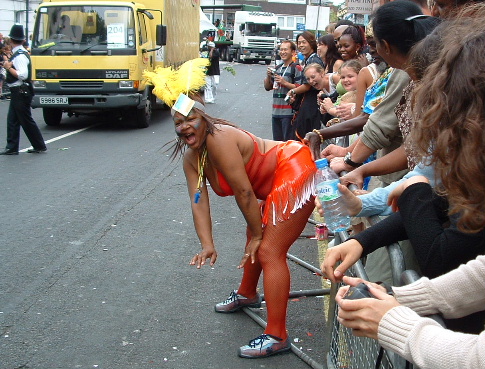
[[19, 112]]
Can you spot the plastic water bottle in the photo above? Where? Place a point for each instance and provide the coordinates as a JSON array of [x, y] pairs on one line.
[[326, 183]]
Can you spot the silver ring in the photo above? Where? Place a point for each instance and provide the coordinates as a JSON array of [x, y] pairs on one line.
[[246, 254]]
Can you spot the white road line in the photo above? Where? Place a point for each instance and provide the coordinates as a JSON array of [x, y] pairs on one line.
[[64, 136]]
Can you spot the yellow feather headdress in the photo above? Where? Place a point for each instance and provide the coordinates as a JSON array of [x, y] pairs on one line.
[[170, 82]]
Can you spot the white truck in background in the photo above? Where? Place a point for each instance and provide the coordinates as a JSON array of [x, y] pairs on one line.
[[253, 38]]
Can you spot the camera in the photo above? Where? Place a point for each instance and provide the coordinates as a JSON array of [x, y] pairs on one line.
[[287, 98], [272, 70], [323, 95], [361, 291]]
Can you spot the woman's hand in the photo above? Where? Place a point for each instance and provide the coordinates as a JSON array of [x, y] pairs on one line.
[[251, 252], [353, 177], [7, 64], [397, 192], [207, 253], [364, 315], [313, 141], [338, 165], [332, 151], [347, 252], [351, 202], [320, 97], [362, 58], [327, 103], [345, 110], [292, 96]]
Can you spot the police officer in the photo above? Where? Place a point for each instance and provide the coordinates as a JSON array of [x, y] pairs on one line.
[[19, 80]]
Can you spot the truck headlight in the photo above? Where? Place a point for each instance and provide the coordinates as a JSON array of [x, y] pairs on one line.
[[39, 84], [125, 84]]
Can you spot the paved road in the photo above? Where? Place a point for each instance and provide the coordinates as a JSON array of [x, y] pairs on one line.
[[95, 239]]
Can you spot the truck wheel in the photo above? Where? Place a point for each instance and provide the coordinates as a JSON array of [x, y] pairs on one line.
[[267, 62], [52, 116], [143, 116], [238, 57], [230, 58]]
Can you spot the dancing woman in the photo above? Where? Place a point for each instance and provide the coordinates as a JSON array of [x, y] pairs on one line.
[[272, 184]]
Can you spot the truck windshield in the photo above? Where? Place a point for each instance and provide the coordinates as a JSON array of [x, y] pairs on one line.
[[260, 29], [75, 27]]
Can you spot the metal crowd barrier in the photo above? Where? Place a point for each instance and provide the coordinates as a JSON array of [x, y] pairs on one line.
[[344, 350]]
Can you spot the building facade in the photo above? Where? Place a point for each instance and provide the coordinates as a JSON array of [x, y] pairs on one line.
[[17, 12]]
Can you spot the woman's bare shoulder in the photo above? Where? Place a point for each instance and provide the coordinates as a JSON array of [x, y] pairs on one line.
[[225, 132], [227, 138], [337, 65]]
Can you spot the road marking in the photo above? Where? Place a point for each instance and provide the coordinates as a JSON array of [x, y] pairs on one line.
[[63, 136]]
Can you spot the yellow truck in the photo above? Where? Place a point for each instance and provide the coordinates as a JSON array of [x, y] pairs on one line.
[[88, 56]]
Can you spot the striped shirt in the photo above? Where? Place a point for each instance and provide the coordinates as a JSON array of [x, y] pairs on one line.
[[293, 73]]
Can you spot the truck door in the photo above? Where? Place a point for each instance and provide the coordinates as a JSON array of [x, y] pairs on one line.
[[145, 41]]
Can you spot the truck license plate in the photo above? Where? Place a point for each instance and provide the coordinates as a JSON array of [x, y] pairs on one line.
[[53, 100]]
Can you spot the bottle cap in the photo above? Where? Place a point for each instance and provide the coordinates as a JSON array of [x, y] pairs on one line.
[[321, 163]]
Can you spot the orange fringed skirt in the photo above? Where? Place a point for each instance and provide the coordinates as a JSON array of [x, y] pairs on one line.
[[293, 182], [282, 178]]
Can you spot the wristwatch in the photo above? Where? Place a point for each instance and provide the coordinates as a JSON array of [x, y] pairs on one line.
[[348, 160]]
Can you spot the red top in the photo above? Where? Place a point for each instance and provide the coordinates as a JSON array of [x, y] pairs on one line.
[[260, 169]]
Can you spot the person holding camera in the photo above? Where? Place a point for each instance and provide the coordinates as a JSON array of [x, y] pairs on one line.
[[280, 80], [19, 74], [400, 324]]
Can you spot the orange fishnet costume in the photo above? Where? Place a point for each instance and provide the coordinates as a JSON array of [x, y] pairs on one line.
[[285, 211]]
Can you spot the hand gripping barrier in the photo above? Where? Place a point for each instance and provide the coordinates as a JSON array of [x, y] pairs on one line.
[[344, 350]]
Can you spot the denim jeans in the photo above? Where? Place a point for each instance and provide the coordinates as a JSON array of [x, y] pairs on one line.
[[282, 128]]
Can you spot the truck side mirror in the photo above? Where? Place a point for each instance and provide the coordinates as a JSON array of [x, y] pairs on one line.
[[161, 35], [241, 27]]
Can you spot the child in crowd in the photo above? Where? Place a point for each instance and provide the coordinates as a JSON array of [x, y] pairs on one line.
[[348, 76]]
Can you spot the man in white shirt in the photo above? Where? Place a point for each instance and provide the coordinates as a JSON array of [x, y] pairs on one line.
[[19, 80]]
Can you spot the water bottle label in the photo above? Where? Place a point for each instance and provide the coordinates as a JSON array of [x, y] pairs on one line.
[[328, 190]]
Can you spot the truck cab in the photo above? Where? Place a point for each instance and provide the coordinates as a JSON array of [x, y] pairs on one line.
[[255, 36], [86, 59], [89, 56]]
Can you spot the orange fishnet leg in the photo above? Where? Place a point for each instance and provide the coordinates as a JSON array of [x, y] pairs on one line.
[[251, 273], [277, 240]]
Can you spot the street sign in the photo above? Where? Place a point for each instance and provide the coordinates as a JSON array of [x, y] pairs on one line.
[[359, 6]]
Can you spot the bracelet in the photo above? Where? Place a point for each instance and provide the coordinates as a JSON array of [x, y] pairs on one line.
[[318, 133]]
